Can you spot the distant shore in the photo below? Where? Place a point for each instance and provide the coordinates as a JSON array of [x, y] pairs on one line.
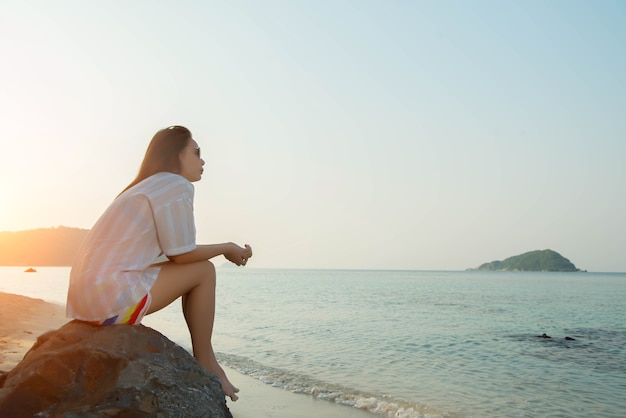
[[23, 319]]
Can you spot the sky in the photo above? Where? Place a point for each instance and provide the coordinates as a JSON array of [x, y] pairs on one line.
[[428, 135]]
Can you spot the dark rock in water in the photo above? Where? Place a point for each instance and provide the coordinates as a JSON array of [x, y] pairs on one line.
[[544, 335], [81, 370]]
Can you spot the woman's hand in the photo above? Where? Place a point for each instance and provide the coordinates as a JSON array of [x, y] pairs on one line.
[[238, 255]]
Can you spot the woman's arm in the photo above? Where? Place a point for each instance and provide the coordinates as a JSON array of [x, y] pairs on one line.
[[233, 253]]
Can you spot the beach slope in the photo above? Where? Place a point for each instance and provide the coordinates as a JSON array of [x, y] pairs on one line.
[[22, 320]]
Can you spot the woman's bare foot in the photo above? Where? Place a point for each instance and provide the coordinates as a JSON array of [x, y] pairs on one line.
[[213, 366], [229, 389]]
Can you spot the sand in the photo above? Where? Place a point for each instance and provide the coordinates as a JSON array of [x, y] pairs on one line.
[[259, 400], [23, 319]]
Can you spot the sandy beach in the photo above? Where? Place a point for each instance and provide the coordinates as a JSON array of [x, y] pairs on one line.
[[23, 319]]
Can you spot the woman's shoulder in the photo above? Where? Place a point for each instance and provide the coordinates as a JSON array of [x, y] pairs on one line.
[[166, 176], [164, 183]]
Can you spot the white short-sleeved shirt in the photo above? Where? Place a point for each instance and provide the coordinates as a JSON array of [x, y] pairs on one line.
[[112, 270]]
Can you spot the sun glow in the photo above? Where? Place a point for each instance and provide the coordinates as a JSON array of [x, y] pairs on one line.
[[392, 130]]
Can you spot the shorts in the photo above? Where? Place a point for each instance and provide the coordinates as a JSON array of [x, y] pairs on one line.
[[132, 316]]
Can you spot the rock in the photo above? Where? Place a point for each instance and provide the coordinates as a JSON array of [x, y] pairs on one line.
[[81, 370], [544, 335]]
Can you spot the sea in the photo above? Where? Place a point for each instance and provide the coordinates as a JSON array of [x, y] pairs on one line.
[[413, 343]]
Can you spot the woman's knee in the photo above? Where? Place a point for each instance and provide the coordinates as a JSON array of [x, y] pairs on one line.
[[211, 267], [209, 273]]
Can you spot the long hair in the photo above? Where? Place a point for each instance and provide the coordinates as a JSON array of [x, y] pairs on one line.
[[163, 153]]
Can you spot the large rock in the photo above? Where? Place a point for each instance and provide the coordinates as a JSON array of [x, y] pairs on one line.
[[81, 370]]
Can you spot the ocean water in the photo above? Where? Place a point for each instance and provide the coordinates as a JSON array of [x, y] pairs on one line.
[[413, 343]]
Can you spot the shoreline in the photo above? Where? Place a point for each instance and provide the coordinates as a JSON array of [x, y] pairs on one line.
[[257, 399], [24, 319]]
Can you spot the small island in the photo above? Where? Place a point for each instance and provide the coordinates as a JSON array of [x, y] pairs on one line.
[[539, 260]]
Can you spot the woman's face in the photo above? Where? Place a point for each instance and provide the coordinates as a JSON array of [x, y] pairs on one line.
[[190, 162]]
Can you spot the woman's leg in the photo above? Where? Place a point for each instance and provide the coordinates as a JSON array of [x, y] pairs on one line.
[[195, 282]]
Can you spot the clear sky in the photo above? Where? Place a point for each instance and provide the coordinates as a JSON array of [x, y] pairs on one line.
[[337, 134]]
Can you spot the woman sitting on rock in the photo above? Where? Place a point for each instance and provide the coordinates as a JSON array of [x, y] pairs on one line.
[[115, 279]]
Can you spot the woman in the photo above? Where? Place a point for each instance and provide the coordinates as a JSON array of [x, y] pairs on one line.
[[115, 279]]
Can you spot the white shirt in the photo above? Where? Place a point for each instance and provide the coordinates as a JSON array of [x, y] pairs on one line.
[[112, 270]]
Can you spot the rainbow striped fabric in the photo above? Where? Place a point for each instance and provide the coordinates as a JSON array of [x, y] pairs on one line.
[[132, 316]]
